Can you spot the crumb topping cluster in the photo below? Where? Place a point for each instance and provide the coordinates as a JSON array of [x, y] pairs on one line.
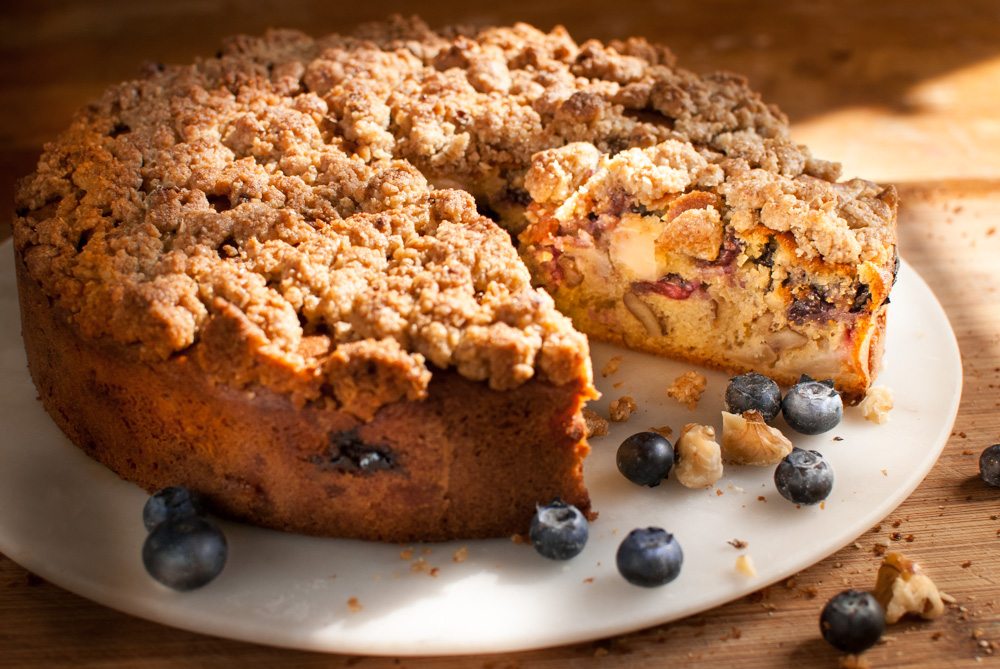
[[701, 192], [287, 205]]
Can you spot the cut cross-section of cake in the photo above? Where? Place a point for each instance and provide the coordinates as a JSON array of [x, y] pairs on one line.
[[679, 251]]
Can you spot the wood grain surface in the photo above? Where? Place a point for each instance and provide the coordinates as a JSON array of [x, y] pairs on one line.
[[904, 92]]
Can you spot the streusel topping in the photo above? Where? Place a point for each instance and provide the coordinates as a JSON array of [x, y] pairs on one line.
[[286, 204]]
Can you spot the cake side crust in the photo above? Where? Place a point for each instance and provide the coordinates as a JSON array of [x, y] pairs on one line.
[[465, 462]]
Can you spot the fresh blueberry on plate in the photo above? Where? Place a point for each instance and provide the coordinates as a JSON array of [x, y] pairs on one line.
[[989, 465], [185, 553], [558, 531], [812, 407], [171, 503], [753, 392], [649, 557], [645, 458], [804, 477], [852, 621]]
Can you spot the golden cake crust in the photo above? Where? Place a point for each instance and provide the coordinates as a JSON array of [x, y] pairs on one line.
[[466, 461], [220, 198]]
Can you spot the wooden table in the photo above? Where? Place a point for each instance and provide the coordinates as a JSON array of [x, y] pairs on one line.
[[904, 92]]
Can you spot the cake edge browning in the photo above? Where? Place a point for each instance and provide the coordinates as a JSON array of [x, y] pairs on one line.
[[466, 462]]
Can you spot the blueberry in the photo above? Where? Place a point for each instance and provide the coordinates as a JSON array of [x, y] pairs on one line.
[[753, 392], [169, 503], [558, 531], [649, 557], [185, 553], [989, 465], [645, 458], [812, 407], [852, 621], [804, 477]]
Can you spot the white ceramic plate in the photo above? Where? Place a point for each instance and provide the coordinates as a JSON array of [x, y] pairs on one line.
[[77, 525]]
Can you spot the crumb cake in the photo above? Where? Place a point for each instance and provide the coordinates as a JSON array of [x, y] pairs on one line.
[[329, 282]]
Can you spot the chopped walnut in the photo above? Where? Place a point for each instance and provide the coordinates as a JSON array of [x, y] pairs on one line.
[[621, 409], [877, 404], [688, 388], [744, 565], [596, 426], [699, 457], [643, 313], [902, 588], [748, 440], [460, 555]]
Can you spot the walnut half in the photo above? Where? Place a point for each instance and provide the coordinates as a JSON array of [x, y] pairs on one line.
[[748, 440], [902, 588], [699, 457]]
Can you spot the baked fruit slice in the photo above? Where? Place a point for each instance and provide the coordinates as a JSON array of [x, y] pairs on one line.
[[677, 250]]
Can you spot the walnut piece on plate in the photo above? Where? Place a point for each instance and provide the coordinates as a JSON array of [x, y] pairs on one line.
[[699, 457], [748, 440]]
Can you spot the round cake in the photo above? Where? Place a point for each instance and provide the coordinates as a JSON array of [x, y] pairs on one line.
[[289, 276]]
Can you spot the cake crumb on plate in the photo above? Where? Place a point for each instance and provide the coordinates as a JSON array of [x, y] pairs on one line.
[[744, 566], [596, 425], [877, 404], [688, 388], [611, 366], [622, 408]]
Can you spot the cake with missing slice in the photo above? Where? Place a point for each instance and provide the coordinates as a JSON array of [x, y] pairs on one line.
[[272, 276]]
